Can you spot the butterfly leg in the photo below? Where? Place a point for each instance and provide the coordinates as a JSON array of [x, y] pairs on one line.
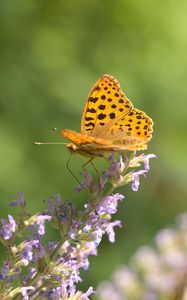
[[67, 165], [91, 161]]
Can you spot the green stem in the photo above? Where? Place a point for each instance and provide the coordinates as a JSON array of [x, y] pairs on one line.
[[111, 190], [56, 249]]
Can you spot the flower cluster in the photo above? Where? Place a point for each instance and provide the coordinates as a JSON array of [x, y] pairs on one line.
[[36, 269], [155, 272]]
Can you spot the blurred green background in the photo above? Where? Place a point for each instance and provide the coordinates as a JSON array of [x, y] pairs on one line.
[[51, 53]]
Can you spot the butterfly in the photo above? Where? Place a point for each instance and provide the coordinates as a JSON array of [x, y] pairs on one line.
[[109, 123]]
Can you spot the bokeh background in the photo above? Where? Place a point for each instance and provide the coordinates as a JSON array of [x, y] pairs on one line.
[[51, 53]]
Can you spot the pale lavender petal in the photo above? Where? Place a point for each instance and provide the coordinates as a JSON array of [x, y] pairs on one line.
[[136, 180], [24, 291], [146, 161], [89, 292], [8, 228], [109, 204], [110, 230]]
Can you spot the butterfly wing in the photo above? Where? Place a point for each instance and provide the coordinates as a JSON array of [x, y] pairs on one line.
[[109, 122], [133, 130], [106, 104]]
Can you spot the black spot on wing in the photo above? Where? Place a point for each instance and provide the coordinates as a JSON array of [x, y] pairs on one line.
[[112, 115], [101, 116], [91, 110], [113, 106], [89, 118], [102, 107], [96, 88], [93, 99], [89, 124]]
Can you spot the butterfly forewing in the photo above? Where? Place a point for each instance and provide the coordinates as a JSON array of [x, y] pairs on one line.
[[106, 104]]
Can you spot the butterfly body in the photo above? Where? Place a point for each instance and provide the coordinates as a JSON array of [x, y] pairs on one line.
[[110, 123]]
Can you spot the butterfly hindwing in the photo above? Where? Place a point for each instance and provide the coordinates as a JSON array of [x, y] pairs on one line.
[[136, 124]]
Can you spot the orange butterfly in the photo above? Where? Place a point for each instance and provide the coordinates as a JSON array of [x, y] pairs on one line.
[[109, 122]]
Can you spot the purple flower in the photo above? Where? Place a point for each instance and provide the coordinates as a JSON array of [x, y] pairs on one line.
[[38, 253], [28, 249], [89, 249], [135, 179], [24, 291], [8, 228], [38, 222], [55, 293], [41, 222], [4, 271], [146, 159], [61, 212], [108, 205], [31, 273], [63, 293], [110, 230], [115, 171], [10, 271], [89, 292], [136, 162], [19, 202], [51, 246], [87, 183]]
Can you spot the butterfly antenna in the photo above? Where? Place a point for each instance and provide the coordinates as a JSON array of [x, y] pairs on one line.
[[50, 143], [67, 165]]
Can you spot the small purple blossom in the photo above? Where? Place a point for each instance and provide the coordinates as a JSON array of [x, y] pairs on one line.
[[136, 179], [108, 205], [136, 162], [110, 230], [115, 172], [89, 292], [19, 202], [40, 223], [37, 223], [4, 271], [24, 291], [87, 183], [146, 161], [8, 228], [32, 250]]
